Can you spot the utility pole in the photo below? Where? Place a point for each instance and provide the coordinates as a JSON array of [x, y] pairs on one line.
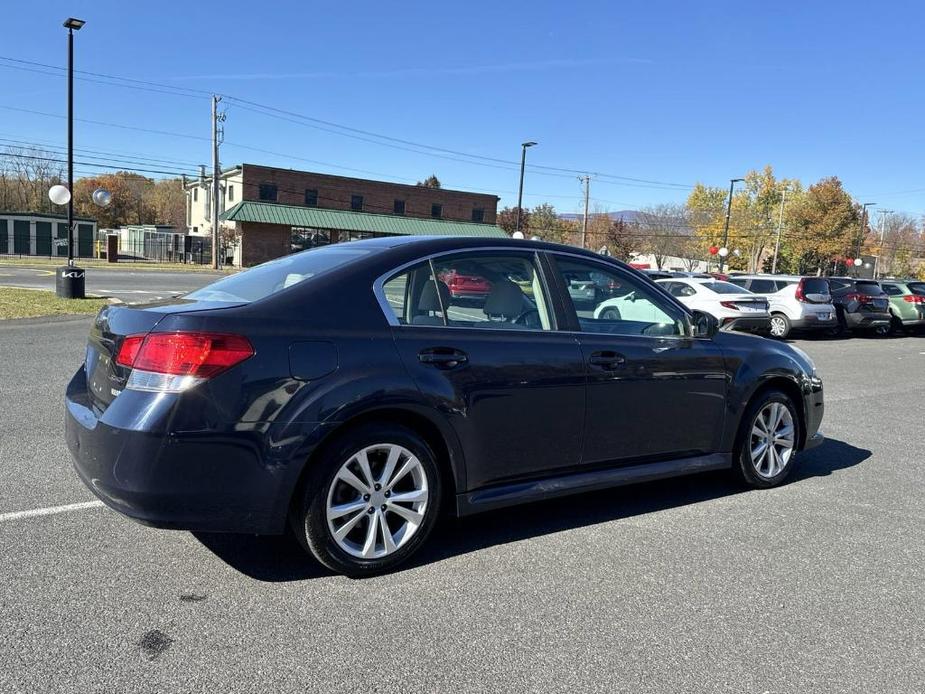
[[780, 227], [584, 221], [883, 214], [216, 179]]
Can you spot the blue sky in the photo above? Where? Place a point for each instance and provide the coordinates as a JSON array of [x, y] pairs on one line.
[[673, 92]]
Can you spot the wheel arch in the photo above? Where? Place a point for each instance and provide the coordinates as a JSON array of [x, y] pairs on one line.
[[438, 435], [784, 384]]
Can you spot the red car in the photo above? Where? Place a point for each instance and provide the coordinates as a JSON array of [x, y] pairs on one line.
[[465, 286]]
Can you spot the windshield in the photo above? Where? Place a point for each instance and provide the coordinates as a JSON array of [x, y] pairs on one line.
[[917, 288], [269, 278], [724, 288]]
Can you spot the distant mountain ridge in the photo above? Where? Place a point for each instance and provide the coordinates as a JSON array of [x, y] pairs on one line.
[[626, 215]]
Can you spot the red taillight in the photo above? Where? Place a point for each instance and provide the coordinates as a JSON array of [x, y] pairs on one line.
[[129, 350], [201, 355], [914, 299], [800, 293], [860, 298], [730, 304]]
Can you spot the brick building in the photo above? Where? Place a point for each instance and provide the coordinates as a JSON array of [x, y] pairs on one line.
[[293, 202]]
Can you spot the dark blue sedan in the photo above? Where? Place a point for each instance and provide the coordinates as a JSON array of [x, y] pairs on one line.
[[346, 394]]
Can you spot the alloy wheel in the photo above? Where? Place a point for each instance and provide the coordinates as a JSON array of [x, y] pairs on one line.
[[377, 501], [772, 439], [777, 326]]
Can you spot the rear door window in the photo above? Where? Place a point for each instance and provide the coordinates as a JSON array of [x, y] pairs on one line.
[[917, 288], [470, 290]]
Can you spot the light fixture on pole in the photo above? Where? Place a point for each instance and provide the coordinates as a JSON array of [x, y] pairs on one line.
[[858, 262], [69, 281], [725, 245], [520, 192]]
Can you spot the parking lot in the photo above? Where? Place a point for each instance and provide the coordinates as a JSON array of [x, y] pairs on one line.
[[685, 585]]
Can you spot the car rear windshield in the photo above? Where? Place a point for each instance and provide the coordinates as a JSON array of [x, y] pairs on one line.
[[917, 288], [815, 285], [724, 288], [869, 288], [269, 278]]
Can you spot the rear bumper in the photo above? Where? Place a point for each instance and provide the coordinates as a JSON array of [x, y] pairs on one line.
[[812, 322], [865, 319], [219, 481]]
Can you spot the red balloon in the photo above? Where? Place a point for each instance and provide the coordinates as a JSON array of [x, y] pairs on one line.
[[714, 250], [848, 261]]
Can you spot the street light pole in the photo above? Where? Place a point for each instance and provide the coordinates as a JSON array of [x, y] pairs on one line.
[[69, 282], [722, 258], [861, 231], [520, 192]]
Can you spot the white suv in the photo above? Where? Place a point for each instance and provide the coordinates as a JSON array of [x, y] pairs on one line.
[[797, 303]]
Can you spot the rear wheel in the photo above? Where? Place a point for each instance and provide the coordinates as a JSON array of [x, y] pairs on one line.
[[370, 501], [780, 326], [610, 313], [768, 440]]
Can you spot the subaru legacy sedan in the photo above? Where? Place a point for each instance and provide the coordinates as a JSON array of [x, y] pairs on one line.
[[345, 394]]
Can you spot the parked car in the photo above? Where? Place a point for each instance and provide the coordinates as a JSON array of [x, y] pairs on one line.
[[464, 286], [907, 307], [344, 393], [657, 274], [735, 308], [796, 303], [916, 287], [860, 305]]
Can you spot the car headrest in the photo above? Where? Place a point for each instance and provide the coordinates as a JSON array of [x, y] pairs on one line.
[[429, 301], [505, 299]]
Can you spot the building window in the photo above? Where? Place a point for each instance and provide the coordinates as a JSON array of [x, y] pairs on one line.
[[195, 194], [311, 197], [356, 203], [268, 191], [399, 207], [478, 214], [436, 210], [230, 193]]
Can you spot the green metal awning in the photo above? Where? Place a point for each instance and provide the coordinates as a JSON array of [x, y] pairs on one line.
[[318, 218]]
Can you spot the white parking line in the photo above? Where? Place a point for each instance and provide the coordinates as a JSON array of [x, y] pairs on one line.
[[49, 510]]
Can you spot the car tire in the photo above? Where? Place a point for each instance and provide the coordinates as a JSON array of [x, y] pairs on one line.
[[759, 425], [610, 313], [373, 498], [780, 326]]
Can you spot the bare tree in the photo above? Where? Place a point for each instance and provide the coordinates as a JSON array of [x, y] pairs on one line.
[[664, 232]]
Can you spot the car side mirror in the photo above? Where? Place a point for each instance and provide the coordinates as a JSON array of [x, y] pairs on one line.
[[704, 324]]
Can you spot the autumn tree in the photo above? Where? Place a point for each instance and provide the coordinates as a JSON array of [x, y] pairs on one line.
[[168, 201], [26, 174], [430, 182], [823, 224], [547, 225], [507, 220]]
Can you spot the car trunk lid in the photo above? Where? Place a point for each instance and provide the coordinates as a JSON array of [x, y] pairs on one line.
[[106, 379]]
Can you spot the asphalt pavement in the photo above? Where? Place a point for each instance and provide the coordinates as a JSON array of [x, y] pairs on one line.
[[689, 585], [130, 286]]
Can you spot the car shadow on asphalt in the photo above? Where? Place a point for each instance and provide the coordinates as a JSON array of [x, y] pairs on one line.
[[280, 558]]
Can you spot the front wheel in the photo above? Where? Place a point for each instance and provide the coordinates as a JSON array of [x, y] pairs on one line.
[[370, 500], [768, 440], [780, 326]]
